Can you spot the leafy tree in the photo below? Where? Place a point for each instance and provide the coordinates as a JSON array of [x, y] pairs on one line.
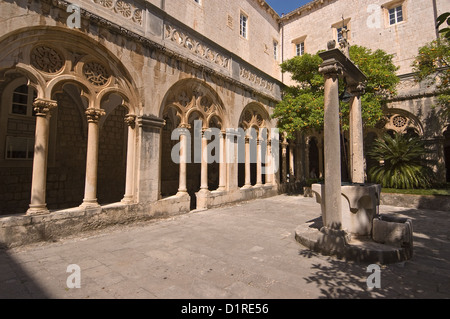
[[445, 17], [402, 161], [432, 66], [302, 106]]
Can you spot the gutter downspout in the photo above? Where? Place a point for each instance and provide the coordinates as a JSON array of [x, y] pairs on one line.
[[435, 11]]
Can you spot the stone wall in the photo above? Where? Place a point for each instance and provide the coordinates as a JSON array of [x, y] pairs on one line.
[[368, 24]]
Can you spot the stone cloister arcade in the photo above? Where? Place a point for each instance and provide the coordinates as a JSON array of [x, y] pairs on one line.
[[193, 110], [75, 136], [82, 108]]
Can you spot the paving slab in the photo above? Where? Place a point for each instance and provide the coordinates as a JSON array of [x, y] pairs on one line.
[[244, 251]]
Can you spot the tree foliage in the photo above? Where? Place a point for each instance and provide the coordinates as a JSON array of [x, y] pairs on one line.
[[402, 162], [431, 65], [445, 17], [302, 106]]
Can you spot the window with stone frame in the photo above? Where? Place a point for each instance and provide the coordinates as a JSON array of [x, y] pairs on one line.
[[394, 12], [275, 50], [395, 15], [243, 25], [300, 49], [339, 27], [21, 123], [22, 101]]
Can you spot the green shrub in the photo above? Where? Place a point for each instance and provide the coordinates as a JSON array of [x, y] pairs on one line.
[[402, 162]]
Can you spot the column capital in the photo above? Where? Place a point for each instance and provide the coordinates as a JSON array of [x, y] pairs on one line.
[[43, 106], [357, 88], [184, 125], [331, 68], [93, 114], [130, 120]]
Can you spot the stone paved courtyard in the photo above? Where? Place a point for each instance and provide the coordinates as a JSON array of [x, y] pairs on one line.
[[243, 251]]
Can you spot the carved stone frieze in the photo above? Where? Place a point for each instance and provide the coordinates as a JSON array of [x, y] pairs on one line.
[[124, 8], [255, 79], [200, 49]]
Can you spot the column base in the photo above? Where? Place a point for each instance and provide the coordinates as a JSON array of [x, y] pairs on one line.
[[90, 203], [127, 200], [182, 193], [221, 189], [246, 186], [38, 210]]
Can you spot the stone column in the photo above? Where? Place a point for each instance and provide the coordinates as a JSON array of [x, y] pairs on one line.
[[332, 151], [38, 204], [299, 153], [356, 136], [182, 186], [307, 166], [90, 188], [258, 162], [222, 164], [204, 164], [130, 120], [320, 154], [269, 165], [283, 177], [291, 162], [248, 182]]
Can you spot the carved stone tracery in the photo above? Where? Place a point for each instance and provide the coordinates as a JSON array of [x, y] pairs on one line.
[[96, 73], [193, 99], [252, 118], [46, 59]]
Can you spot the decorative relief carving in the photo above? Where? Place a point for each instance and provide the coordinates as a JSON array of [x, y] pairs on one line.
[[42, 107], [130, 120], [252, 118], [184, 40], [399, 121], [96, 73], [250, 76], [46, 59], [123, 8], [194, 100], [93, 115]]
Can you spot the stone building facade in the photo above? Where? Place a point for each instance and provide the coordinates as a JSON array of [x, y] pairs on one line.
[[91, 92], [398, 27]]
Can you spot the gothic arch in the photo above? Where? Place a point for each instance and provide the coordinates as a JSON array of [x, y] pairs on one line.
[[193, 96], [401, 121], [254, 116], [50, 57], [76, 76]]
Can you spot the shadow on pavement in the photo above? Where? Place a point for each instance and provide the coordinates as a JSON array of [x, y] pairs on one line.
[[15, 282], [426, 275]]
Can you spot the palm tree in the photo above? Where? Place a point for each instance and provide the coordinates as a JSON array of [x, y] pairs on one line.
[[402, 162]]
